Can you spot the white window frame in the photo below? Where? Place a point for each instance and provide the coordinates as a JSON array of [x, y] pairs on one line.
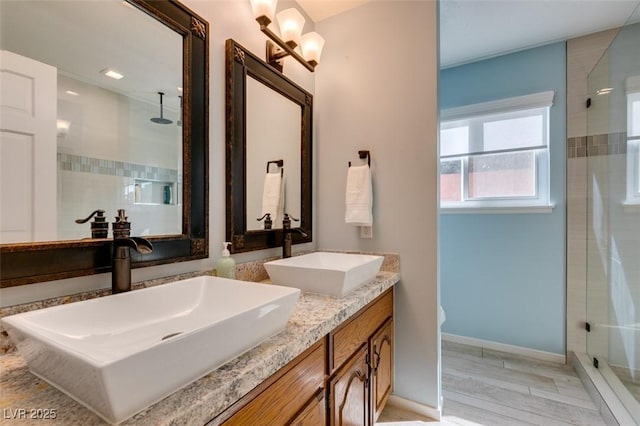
[[474, 116], [633, 152]]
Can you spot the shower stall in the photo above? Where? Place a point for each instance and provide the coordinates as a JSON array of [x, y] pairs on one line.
[[613, 219]]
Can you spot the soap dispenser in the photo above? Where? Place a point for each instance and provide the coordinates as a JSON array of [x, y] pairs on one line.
[[225, 265]]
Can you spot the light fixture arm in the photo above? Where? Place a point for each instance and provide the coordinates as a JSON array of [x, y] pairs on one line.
[[273, 55]]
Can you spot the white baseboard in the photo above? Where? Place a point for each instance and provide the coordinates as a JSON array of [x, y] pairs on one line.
[[414, 407], [503, 347]]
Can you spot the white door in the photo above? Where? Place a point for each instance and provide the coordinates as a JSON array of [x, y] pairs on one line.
[[28, 107]]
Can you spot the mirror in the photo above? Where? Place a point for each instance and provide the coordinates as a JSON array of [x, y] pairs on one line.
[[139, 142], [273, 145], [268, 132]]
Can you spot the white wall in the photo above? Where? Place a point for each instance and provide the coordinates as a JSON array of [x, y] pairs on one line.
[[227, 19], [377, 89]]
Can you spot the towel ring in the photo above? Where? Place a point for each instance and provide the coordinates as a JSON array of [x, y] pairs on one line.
[[364, 154], [279, 163]]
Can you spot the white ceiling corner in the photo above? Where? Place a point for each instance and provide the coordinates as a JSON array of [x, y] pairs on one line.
[[319, 10], [471, 30]]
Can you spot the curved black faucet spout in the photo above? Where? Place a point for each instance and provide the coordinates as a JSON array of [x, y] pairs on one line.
[[121, 268]]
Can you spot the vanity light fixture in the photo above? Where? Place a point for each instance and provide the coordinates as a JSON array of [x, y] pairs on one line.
[[604, 91], [112, 73], [291, 22], [72, 93]]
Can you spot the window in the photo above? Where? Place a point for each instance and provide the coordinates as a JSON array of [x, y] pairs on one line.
[[633, 146], [496, 154]]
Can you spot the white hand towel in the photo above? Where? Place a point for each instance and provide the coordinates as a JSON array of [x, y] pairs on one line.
[[272, 197], [359, 196]]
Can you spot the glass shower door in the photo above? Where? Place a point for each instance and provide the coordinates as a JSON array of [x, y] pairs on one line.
[[613, 218]]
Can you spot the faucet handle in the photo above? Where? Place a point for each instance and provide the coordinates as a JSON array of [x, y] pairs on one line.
[[121, 227], [287, 216], [267, 220], [286, 221], [99, 226], [99, 217]]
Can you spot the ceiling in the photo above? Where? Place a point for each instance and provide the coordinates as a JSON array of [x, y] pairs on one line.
[[471, 30], [319, 10], [81, 38]]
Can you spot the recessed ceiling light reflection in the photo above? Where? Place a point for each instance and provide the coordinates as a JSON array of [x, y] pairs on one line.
[[112, 73]]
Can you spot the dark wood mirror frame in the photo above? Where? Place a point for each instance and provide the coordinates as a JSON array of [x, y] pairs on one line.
[[241, 63], [27, 263]]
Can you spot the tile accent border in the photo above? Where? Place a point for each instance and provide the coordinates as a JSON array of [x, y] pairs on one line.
[[592, 146], [79, 163]]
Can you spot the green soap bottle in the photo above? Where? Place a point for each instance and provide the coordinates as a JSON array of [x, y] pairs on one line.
[[225, 265]]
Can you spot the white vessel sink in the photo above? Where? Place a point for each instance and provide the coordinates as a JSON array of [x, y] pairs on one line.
[[119, 354], [333, 274]]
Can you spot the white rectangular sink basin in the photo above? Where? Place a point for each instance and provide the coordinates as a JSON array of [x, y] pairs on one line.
[[119, 354], [333, 274]]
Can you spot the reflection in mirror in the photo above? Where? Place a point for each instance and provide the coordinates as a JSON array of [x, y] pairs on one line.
[[95, 145], [92, 143], [269, 119], [273, 134]]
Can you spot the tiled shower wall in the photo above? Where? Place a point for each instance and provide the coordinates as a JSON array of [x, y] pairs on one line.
[[591, 146], [111, 145], [77, 163], [86, 184]]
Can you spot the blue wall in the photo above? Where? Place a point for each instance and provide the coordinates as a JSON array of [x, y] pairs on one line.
[[502, 276]]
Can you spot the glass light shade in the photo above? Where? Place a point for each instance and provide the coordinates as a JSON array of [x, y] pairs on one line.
[[63, 127], [312, 44], [264, 8], [291, 22]]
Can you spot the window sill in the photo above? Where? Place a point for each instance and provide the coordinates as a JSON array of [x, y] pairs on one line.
[[498, 210], [631, 207]]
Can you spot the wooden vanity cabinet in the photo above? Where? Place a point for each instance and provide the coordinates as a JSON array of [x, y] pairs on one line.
[[314, 413], [361, 363], [289, 396], [343, 379]]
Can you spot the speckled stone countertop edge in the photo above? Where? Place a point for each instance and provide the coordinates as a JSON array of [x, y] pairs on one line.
[[201, 401]]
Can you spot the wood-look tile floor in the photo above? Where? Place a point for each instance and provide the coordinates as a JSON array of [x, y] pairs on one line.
[[485, 387]]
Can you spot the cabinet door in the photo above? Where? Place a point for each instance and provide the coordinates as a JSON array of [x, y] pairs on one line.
[[314, 414], [381, 355], [348, 337], [349, 392]]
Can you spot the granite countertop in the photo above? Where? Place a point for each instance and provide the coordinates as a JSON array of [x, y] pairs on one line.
[[314, 317]]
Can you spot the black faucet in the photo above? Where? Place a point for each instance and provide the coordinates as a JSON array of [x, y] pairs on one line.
[[287, 230], [122, 244]]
